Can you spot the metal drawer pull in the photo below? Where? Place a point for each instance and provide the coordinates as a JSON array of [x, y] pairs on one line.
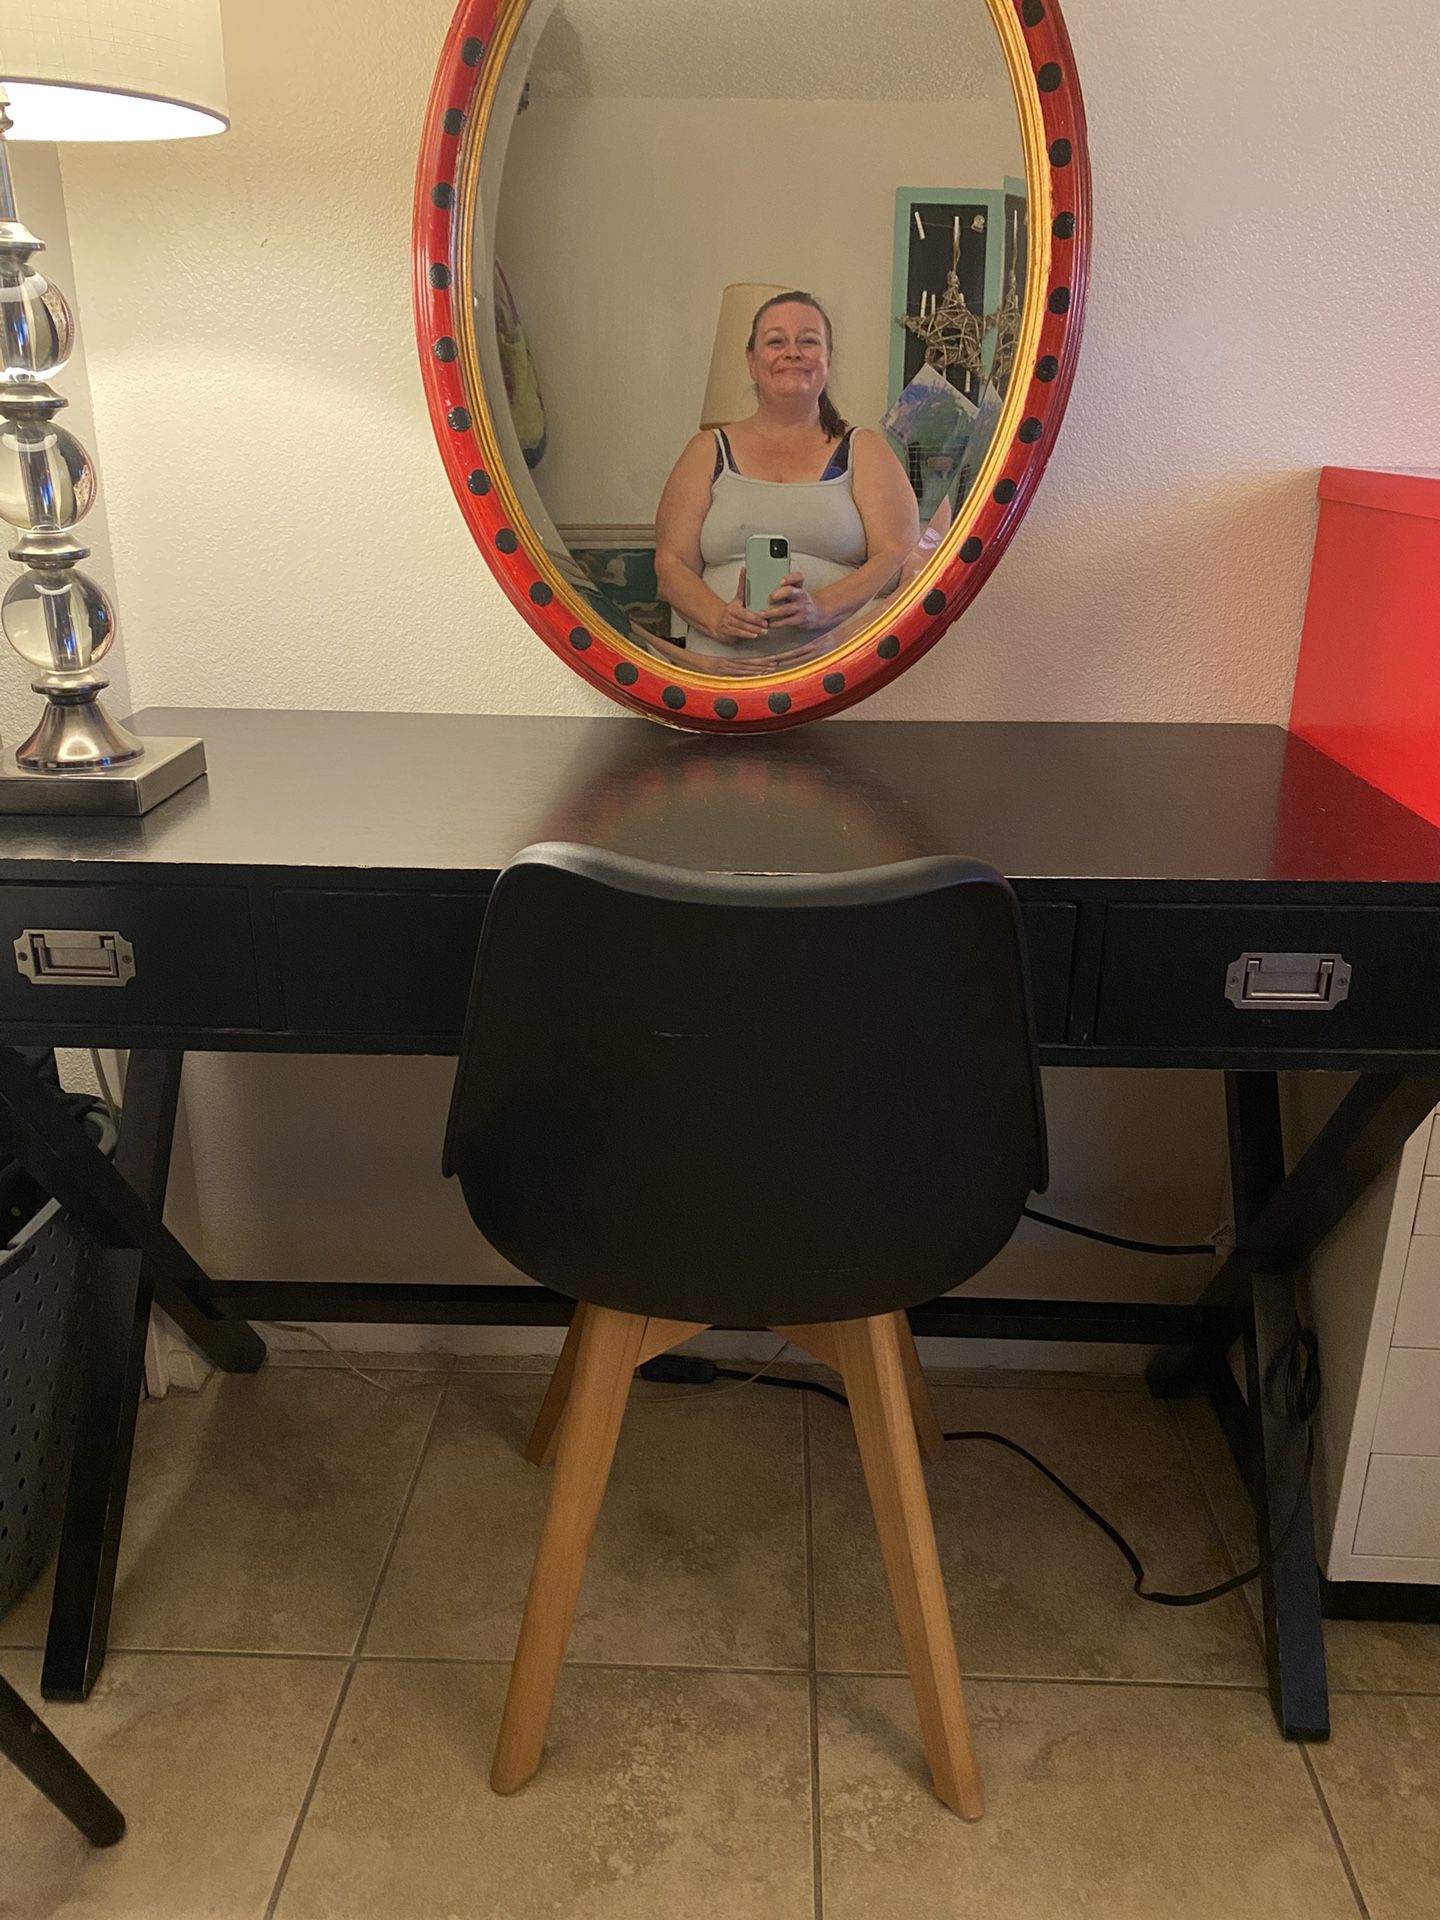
[[70, 957], [1299, 982]]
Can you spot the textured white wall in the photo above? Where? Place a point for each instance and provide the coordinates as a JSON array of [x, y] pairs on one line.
[[1263, 300], [1267, 190]]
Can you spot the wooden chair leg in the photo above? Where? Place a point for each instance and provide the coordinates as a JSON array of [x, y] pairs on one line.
[[545, 1432], [922, 1407], [874, 1373], [819, 1343], [609, 1348]]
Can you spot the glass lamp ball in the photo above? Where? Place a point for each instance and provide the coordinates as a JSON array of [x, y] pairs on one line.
[[47, 478], [37, 331], [59, 621]]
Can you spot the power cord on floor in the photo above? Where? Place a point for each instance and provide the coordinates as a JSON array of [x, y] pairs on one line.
[[326, 1346], [1292, 1389]]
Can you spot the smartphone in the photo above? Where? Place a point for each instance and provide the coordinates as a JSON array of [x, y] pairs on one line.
[[767, 561]]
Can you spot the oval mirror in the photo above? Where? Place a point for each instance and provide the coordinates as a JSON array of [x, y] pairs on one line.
[[747, 331]]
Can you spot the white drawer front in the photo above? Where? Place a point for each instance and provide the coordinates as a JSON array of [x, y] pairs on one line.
[[1409, 1416], [1400, 1508], [1417, 1323], [1427, 1214]]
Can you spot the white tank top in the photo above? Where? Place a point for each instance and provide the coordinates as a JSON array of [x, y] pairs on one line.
[[818, 517]]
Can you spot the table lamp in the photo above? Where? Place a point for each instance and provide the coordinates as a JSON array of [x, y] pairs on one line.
[[728, 392], [78, 70]]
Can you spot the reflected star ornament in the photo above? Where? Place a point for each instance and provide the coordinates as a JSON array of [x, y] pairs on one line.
[[953, 336]]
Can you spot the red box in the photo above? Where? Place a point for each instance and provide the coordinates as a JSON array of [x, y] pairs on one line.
[[1367, 687]]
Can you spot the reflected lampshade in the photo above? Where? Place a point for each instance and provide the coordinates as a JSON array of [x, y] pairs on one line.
[[728, 392], [113, 69]]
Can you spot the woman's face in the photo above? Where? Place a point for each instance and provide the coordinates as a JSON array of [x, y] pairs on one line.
[[790, 360]]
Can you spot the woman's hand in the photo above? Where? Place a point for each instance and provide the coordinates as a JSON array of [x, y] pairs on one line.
[[792, 606], [736, 621]]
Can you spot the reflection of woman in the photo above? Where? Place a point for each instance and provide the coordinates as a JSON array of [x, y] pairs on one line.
[[796, 469]]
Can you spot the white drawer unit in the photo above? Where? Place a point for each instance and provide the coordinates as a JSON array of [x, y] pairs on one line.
[[1417, 1324], [1400, 1513], [1374, 1295]]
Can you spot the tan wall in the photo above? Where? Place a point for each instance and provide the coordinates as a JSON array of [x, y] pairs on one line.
[[1263, 291], [621, 222]]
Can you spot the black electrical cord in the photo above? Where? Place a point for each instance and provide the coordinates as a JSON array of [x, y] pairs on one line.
[[1292, 1389], [1117, 1239]]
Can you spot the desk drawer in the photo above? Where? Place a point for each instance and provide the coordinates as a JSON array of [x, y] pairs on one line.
[[1417, 1322], [192, 952], [1399, 1513], [1165, 972], [1408, 1417], [380, 963]]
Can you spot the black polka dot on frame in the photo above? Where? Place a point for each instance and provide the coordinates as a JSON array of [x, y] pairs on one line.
[[673, 696], [726, 707], [1030, 431], [505, 540], [454, 120], [1060, 153], [890, 646], [473, 51], [540, 593], [446, 349], [834, 683], [972, 549], [443, 195], [459, 418], [627, 673], [779, 703], [1049, 78]]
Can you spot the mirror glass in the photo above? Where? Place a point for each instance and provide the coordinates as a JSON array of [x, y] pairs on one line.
[[735, 493]]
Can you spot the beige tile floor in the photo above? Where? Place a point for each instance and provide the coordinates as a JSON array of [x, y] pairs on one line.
[[319, 1589]]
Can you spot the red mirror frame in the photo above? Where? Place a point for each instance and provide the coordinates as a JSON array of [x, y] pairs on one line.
[[1047, 94]]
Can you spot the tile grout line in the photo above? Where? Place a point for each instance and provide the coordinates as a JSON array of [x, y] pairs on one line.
[[1329, 1819], [356, 1651], [812, 1683]]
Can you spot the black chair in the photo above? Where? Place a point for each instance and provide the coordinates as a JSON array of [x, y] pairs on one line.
[[689, 1100]]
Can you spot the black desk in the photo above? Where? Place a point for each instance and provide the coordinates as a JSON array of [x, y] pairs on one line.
[[323, 891]]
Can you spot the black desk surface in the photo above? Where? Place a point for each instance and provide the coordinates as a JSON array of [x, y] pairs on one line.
[[1133, 808]]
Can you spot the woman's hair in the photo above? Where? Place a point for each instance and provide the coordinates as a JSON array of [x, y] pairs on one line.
[[830, 420]]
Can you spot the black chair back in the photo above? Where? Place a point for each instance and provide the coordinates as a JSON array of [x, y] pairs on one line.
[[748, 1101]]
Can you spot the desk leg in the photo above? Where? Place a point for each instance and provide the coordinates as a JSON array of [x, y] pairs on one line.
[[62, 1157], [1286, 1224], [122, 1203], [1268, 1436]]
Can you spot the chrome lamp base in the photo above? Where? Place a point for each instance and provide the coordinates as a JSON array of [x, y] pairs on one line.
[[161, 768]]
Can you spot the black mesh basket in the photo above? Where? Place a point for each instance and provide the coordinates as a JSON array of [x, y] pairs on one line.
[[44, 1271]]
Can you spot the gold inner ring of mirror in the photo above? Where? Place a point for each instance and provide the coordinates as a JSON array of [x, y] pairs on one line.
[[1037, 188]]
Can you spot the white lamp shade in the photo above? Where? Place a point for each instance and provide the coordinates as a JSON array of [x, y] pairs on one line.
[[113, 69], [728, 393]]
